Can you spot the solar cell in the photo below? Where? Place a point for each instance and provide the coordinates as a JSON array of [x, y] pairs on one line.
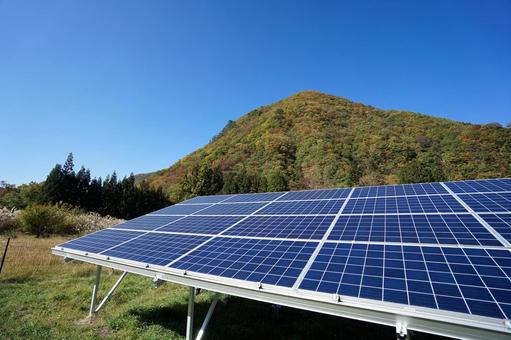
[[259, 197], [147, 222], [315, 194], [474, 281], [302, 207], [297, 227], [262, 261], [181, 209], [231, 209], [485, 185], [492, 202], [404, 205], [202, 224], [500, 222], [399, 190], [100, 240], [435, 229], [163, 249]]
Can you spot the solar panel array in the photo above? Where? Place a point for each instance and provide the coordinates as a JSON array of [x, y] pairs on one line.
[[443, 246]]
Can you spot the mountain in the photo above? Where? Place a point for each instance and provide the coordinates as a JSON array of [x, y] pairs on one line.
[[315, 140]]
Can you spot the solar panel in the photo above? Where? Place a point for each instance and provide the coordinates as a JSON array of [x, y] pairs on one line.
[[262, 261], [296, 227], [147, 222], [259, 197], [231, 209], [404, 205], [501, 223], [434, 229], [302, 207], [181, 209], [164, 248], [400, 190], [491, 202], [486, 185], [473, 281], [438, 248], [100, 240], [315, 194], [202, 224]]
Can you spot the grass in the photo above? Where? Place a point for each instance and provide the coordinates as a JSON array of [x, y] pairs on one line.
[[41, 297]]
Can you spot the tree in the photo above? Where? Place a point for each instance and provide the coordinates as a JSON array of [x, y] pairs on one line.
[[422, 170], [201, 180]]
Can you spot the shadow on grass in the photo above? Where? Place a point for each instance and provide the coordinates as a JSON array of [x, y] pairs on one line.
[[236, 318]]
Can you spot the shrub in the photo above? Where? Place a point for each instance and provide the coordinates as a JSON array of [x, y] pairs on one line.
[[43, 220], [8, 225]]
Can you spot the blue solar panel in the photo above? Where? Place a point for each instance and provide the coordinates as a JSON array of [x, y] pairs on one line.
[[474, 281], [404, 204], [147, 222], [298, 227], [413, 244], [163, 249], [202, 224], [485, 185], [260, 197], [436, 229], [400, 190], [100, 241], [181, 209], [302, 207], [207, 199], [501, 223], [231, 209], [493, 202], [265, 261], [315, 194]]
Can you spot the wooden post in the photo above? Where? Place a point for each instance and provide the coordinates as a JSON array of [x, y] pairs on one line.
[[5, 253]]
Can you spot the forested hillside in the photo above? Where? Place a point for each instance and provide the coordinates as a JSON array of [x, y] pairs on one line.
[[314, 140]]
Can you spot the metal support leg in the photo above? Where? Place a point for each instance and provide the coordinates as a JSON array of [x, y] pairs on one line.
[[110, 292], [207, 318], [95, 291], [402, 331], [189, 319]]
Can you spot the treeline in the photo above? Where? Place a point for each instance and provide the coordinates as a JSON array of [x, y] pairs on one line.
[[119, 198], [203, 179]]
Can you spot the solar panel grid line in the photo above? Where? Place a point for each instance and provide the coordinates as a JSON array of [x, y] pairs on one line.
[[481, 186], [189, 252], [213, 235], [485, 285], [264, 262], [491, 202], [408, 213], [499, 237], [323, 239], [145, 233], [422, 291], [433, 245], [457, 284]]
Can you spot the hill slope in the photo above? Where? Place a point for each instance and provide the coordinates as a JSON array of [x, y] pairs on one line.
[[314, 140]]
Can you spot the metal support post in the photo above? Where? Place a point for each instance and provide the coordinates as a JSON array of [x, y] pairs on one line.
[[207, 318], [95, 291], [110, 292], [189, 318], [402, 331]]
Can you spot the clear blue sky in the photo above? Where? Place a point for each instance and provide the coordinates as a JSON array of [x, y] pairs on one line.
[[136, 85]]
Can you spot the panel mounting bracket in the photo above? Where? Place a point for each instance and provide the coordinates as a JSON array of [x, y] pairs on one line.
[[402, 331]]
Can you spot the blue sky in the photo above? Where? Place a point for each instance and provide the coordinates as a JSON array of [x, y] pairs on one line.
[[136, 85]]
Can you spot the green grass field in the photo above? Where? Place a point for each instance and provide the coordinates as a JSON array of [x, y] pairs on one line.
[[41, 297]]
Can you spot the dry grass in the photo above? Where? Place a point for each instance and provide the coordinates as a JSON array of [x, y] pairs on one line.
[[29, 257]]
